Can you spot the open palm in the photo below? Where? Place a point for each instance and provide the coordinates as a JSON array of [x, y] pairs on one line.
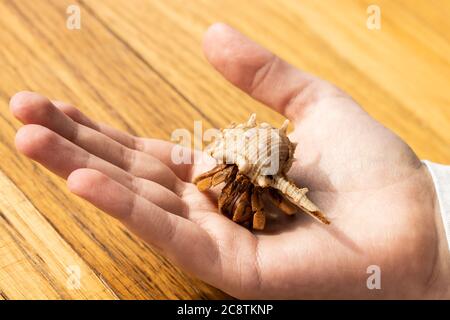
[[367, 181]]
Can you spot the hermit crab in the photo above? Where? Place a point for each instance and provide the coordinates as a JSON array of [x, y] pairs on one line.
[[253, 160]]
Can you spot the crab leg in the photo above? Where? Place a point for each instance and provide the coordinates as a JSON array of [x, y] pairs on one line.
[[259, 218], [241, 212], [248, 213], [281, 202], [230, 193], [226, 197], [213, 177], [209, 173]]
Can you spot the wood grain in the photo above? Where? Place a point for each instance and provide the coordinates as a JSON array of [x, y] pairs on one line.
[[138, 65], [44, 56], [36, 260]]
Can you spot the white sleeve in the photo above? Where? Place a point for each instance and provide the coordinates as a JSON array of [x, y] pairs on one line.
[[441, 178]]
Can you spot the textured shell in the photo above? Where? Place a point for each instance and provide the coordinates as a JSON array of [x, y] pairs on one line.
[[264, 155], [260, 151]]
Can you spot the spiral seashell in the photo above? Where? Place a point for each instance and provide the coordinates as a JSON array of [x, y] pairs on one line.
[[262, 155]]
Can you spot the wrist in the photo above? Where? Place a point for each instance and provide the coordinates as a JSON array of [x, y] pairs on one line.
[[442, 266], [439, 280]]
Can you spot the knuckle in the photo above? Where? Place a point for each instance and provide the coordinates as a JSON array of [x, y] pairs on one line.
[[262, 74]]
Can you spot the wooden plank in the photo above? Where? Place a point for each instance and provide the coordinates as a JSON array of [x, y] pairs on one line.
[[399, 60], [100, 74], [35, 261], [396, 74]]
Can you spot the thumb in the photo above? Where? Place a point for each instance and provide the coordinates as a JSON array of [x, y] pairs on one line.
[[260, 73]]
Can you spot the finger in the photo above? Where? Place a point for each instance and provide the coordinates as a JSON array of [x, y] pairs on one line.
[[180, 239], [32, 108], [76, 115], [162, 150], [260, 73], [62, 157]]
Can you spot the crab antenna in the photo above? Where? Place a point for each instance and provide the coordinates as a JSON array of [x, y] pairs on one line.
[[284, 126], [252, 120]]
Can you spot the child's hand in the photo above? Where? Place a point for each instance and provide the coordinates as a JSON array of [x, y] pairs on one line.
[[372, 186]]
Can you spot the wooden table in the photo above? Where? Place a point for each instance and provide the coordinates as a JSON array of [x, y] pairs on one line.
[[138, 65]]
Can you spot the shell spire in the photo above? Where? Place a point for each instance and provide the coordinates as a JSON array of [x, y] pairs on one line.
[[298, 197]]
